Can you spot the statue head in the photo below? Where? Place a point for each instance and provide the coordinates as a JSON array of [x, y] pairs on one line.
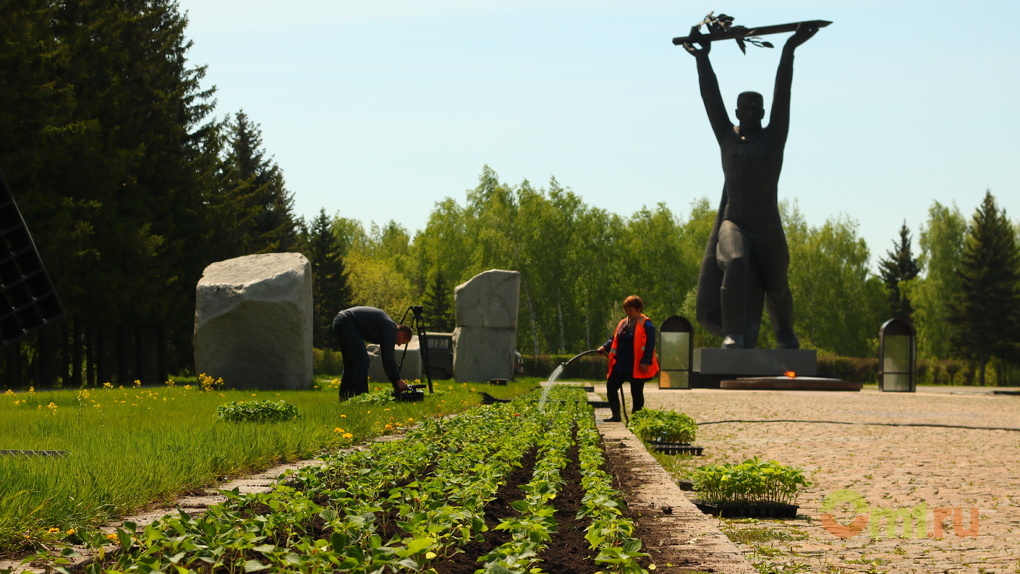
[[750, 109]]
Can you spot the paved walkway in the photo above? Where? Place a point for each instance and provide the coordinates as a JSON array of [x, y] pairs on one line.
[[863, 448]]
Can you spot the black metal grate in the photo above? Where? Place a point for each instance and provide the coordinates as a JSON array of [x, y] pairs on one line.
[[28, 301]]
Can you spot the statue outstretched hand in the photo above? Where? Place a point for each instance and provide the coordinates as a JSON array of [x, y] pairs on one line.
[[706, 46], [803, 34]]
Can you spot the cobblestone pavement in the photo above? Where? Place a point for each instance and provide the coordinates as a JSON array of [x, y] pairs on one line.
[[865, 444]]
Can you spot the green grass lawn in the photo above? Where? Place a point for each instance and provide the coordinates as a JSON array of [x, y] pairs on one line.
[[127, 447]]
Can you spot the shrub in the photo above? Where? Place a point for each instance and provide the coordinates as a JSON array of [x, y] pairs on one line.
[[257, 412], [589, 368], [752, 481], [327, 362], [663, 426]]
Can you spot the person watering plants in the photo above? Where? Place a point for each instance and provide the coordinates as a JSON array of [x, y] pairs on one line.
[[353, 327], [631, 352]]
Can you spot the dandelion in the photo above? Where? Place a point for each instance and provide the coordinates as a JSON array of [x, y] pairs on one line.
[[410, 420], [71, 532], [9, 393], [138, 383], [107, 385], [348, 435], [339, 430], [53, 530], [112, 537], [345, 416]]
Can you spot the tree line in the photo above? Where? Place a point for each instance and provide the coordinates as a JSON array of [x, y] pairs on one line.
[[131, 186]]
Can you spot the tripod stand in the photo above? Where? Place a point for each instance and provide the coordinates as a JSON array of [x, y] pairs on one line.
[[418, 326]]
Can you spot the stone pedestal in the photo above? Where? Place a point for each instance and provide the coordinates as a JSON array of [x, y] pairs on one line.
[[253, 322], [485, 339], [712, 366]]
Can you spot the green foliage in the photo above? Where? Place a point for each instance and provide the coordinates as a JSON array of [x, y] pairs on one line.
[[941, 245], [257, 412], [839, 305], [752, 481], [331, 291], [663, 426]]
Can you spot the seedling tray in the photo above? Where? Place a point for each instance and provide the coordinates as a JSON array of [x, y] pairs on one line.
[[747, 509], [676, 448], [28, 301], [47, 453]]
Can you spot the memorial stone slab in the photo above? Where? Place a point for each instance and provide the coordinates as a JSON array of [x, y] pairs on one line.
[[484, 340], [253, 322]]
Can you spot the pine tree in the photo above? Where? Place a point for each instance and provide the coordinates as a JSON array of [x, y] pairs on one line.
[[899, 265], [987, 307], [331, 290]]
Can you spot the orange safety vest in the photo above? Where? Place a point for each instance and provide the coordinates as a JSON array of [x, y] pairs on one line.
[[640, 340]]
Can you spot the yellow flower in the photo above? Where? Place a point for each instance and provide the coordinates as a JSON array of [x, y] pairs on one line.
[[338, 430], [53, 530], [9, 392], [71, 532], [348, 435], [410, 420], [111, 536], [107, 385], [343, 416]]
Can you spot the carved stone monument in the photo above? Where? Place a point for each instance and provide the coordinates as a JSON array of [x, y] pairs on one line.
[[253, 322], [485, 338]]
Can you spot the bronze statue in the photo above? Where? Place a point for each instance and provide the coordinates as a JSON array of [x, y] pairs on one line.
[[746, 259]]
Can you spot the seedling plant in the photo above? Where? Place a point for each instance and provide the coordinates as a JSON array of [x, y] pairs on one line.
[[663, 426], [753, 481]]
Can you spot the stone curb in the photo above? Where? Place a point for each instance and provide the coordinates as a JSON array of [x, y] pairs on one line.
[[688, 539]]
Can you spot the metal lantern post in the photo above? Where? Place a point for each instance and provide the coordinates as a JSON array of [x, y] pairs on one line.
[[897, 357], [676, 346]]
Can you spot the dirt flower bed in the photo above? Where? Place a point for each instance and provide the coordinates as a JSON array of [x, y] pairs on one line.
[[506, 488]]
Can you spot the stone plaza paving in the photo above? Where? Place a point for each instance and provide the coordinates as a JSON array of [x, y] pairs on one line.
[[905, 475]]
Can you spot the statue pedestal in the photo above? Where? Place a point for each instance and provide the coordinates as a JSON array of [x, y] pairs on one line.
[[712, 366]]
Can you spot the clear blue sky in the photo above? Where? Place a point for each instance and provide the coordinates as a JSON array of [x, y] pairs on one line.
[[377, 110]]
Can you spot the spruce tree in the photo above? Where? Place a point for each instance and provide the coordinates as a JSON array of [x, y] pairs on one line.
[[438, 304], [331, 290], [898, 266], [254, 208], [986, 310]]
